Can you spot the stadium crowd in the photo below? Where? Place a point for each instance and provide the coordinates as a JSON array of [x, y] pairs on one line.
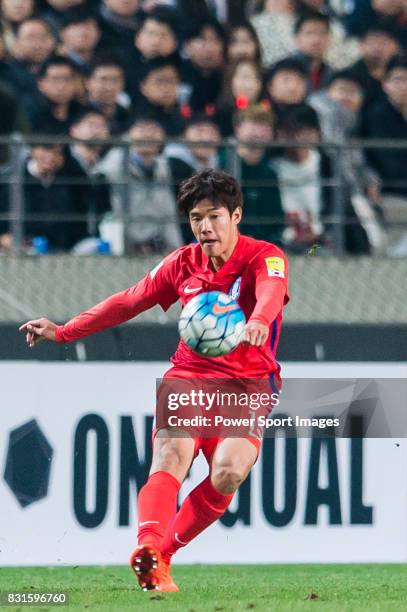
[[178, 77]]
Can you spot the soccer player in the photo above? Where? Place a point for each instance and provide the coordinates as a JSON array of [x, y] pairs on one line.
[[255, 273]]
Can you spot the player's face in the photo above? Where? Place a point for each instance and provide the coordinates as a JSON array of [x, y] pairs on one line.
[[215, 228]]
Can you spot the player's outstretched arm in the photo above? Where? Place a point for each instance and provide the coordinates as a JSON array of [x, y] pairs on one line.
[[155, 288], [37, 330]]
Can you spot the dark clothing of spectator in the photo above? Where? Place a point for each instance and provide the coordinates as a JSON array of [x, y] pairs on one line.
[[386, 122], [99, 193], [263, 212], [181, 170], [54, 198], [202, 10], [8, 116], [355, 238], [205, 85], [117, 33], [317, 78], [170, 118], [42, 119], [118, 122], [134, 64], [55, 17], [363, 17], [372, 88], [22, 78]]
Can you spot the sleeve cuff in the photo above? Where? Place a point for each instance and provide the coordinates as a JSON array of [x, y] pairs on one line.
[[59, 333]]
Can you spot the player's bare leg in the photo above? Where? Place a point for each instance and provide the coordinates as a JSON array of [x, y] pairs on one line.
[[230, 465], [157, 503]]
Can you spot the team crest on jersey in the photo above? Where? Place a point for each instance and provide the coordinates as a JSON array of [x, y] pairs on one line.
[[275, 266], [234, 291]]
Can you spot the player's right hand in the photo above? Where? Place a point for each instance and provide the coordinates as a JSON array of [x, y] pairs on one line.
[[37, 330]]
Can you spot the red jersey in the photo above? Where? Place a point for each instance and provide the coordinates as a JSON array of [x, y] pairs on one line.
[[256, 275]]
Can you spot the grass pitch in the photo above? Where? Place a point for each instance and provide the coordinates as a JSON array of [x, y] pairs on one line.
[[222, 588]]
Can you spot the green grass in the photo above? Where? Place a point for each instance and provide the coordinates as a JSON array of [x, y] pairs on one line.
[[222, 588]]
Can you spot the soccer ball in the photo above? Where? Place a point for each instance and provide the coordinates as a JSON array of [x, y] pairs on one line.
[[212, 324]]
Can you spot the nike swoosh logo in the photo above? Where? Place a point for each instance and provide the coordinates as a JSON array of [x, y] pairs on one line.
[[147, 523], [192, 289], [179, 540], [217, 309]]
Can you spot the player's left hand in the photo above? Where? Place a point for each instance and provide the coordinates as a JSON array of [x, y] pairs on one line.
[[256, 333]]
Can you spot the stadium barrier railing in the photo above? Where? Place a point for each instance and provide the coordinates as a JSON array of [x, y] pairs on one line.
[[342, 203]]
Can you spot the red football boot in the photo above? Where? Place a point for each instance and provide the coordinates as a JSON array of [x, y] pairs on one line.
[[166, 583], [145, 561]]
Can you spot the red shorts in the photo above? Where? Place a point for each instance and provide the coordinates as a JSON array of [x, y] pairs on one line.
[[206, 445]]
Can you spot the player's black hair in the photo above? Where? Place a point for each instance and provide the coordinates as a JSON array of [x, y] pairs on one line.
[[311, 16], [288, 64], [400, 61], [345, 75], [56, 60], [214, 185]]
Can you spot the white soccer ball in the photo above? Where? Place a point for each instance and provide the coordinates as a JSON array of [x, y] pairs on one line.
[[212, 324]]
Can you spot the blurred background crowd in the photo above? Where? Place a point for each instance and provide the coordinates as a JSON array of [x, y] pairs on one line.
[[150, 92]]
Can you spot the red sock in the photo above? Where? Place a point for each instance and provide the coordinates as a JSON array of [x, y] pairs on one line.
[[157, 505], [203, 506]]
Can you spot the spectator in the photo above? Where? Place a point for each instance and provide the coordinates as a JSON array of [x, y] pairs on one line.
[[202, 72], [274, 26], [49, 193], [388, 120], [300, 178], [338, 107], [152, 224], [286, 85], [200, 149], [8, 124], [198, 152], [264, 218], [370, 14], [105, 84], [56, 106], [312, 37], [243, 87], [276, 23], [34, 44], [80, 35], [13, 13], [224, 11], [119, 20], [159, 90], [156, 37], [378, 46], [88, 126], [242, 43]]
